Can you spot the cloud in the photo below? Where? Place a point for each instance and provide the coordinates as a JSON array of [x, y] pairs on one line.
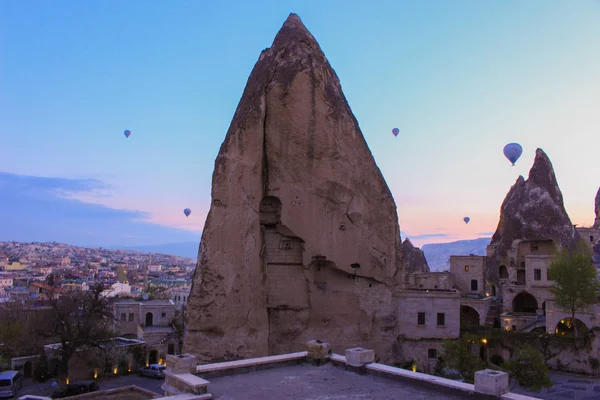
[[485, 234], [429, 236], [35, 208]]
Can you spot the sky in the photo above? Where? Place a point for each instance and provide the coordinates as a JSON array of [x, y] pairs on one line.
[[460, 79]]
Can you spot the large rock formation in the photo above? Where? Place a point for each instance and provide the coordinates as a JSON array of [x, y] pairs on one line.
[[298, 208], [414, 259], [532, 210], [597, 209]]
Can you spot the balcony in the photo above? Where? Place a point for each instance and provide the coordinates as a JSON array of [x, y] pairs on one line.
[[161, 330]]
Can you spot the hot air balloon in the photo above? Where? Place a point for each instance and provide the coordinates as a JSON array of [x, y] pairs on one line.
[[187, 212], [127, 133], [466, 219], [513, 151], [395, 131]]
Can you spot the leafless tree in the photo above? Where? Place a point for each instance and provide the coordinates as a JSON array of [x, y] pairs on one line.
[[79, 320]]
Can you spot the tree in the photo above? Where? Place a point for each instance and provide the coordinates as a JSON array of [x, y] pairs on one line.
[[178, 323], [80, 320], [576, 285], [18, 323], [458, 355], [529, 369]]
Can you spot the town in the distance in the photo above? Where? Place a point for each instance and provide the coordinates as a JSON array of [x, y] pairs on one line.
[[26, 269]]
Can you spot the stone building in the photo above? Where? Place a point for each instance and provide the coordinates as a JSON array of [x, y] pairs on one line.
[[118, 356], [151, 322], [425, 318]]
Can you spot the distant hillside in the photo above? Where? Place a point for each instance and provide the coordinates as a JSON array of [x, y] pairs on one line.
[[438, 254], [182, 249]]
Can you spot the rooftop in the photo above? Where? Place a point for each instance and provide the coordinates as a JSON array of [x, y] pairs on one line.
[[326, 382], [149, 302]]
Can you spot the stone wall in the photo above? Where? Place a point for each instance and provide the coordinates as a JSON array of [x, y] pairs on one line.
[[413, 302], [466, 269], [419, 352], [431, 280]]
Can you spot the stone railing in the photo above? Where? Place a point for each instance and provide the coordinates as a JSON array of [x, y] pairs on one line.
[[181, 372]]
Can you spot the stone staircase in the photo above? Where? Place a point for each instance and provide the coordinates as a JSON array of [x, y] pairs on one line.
[[493, 314]]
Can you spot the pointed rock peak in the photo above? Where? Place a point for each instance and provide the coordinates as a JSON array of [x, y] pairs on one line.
[[294, 21], [407, 242], [294, 156], [542, 171], [414, 259], [534, 210], [293, 31]]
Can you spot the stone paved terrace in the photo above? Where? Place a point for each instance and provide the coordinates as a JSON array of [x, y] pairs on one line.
[[566, 386], [327, 382]]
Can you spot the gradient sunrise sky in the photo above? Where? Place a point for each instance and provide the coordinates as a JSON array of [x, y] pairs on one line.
[[460, 79]]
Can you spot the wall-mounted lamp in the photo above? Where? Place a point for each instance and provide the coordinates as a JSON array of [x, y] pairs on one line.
[[320, 261], [355, 266]]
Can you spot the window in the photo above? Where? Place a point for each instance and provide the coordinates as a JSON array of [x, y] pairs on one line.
[[432, 353], [421, 318], [441, 319], [130, 317], [503, 272], [466, 268], [591, 239], [163, 315], [473, 285], [514, 328], [537, 274], [285, 244], [123, 317], [534, 247]]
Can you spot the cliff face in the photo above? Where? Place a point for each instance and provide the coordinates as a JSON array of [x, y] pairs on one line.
[[532, 210], [414, 259], [597, 210], [302, 239]]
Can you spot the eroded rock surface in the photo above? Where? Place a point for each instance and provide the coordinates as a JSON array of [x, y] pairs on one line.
[[532, 210], [414, 259], [298, 208], [597, 209]]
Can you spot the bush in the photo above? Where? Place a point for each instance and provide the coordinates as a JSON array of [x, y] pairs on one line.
[[529, 369], [497, 359], [439, 367], [4, 363], [458, 355]]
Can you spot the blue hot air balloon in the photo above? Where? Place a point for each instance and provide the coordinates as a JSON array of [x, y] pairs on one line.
[[395, 131], [187, 212], [466, 219], [513, 151], [127, 133]]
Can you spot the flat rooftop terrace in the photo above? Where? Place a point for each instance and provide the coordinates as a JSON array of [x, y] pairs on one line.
[[326, 382]]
